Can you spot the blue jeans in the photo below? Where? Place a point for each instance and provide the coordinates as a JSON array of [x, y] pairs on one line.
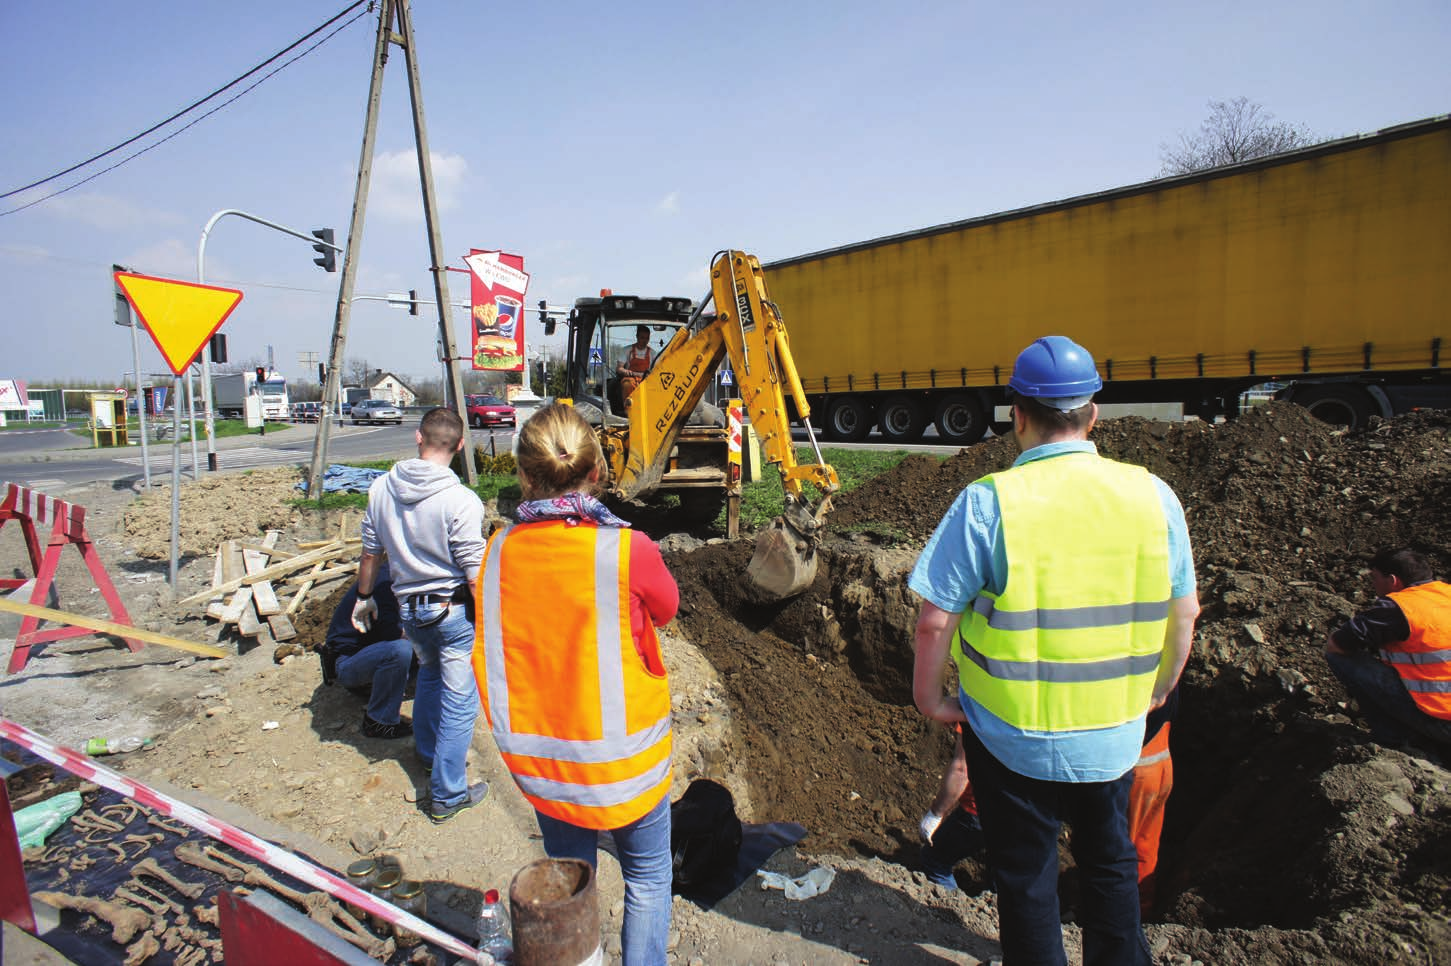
[[1021, 818], [1393, 715], [644, 853], [446, 698], [383, 666], [958, 837]]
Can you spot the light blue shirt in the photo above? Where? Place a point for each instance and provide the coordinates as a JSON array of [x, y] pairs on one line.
[[966, 556]]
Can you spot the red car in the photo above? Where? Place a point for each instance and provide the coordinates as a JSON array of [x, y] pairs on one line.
[[489, 411]]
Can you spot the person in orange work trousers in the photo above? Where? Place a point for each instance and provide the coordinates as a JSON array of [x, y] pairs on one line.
[[951, 831], [571, 672], [636, 363]]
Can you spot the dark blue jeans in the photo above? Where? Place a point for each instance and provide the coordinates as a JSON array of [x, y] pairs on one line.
[[1021, 818], [1393, 715]]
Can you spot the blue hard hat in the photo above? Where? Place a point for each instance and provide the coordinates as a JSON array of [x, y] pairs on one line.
[[1057, 372]]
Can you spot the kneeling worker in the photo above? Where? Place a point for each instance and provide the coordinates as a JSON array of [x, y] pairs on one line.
[[379, 657]]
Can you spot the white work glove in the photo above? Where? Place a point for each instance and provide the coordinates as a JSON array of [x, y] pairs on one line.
[[363, 613], [928, 825]]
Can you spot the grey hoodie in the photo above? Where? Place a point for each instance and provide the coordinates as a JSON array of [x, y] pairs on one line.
[[429, 524]]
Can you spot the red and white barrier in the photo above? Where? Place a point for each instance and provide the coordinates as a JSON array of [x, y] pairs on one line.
[[278, 858], [27, 507]]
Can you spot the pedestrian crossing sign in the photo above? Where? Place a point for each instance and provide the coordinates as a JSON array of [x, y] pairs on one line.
[[596, 358], [726, 379]]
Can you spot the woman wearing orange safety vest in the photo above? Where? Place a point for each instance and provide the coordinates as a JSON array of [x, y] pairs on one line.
[[571, 674], [1394, 657]]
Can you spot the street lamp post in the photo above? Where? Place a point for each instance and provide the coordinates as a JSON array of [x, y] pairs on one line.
[[320, 242]]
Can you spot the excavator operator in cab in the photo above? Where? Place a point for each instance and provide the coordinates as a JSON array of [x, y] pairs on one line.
[[632, 368]]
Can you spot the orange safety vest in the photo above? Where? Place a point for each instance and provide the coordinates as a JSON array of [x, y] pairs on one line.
[[582, 723], [1423, 660]]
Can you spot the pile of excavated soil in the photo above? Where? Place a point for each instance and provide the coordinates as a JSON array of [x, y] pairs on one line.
[[1288, 838]]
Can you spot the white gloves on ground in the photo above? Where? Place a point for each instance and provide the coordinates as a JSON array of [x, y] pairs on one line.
[[928, 825], [363, 613]]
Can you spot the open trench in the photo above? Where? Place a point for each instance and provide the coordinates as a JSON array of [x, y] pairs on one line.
[[1283, 818], [1256, 832]]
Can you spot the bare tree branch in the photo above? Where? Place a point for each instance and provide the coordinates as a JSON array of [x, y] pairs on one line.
[[1235, 131]]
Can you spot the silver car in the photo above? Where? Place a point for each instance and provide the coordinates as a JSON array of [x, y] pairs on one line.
[[376, 411]]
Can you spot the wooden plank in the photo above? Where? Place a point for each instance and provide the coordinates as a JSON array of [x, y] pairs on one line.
[[272, 551], [296, 603], [219, 602], [247, 624], [108, 627], [264, 598], [314, 544], [241, 600], [231, 563], [332, 573], [282, 629], [276, 570]]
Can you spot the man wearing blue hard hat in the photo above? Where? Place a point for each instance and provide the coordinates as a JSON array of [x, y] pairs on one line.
[[1063, 589]]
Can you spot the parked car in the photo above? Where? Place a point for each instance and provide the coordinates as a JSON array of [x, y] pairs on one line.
[[376, 411], [489, 411]]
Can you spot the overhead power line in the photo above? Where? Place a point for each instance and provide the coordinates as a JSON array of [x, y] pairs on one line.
[[193, 106]]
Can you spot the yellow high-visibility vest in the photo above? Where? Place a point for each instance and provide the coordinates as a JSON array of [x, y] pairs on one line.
[[1073, 641]]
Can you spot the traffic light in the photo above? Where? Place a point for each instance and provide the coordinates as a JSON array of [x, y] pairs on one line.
[[261, 374], [219, 347], [329, 260], [412, 301], [543, 311], [321, 373]]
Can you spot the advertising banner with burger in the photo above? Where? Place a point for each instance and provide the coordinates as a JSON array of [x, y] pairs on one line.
[[498, 284]]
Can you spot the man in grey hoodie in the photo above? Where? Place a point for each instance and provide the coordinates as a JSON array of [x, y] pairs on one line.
[[431, 528]]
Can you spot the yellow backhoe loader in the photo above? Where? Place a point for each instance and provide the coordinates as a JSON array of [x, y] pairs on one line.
[[659, 433]]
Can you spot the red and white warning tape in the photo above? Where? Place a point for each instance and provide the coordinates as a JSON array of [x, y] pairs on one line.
[[281, 859]]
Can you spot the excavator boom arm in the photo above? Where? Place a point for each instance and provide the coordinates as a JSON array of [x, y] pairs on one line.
[[760, 352]]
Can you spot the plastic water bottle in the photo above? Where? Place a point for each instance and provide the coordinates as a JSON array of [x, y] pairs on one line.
[[493, 929], [116, 746]]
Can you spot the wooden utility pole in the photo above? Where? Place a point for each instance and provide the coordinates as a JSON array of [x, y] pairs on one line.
[[391, 11]]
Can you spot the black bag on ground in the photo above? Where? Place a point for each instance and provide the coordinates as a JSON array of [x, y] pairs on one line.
[[705, 835]]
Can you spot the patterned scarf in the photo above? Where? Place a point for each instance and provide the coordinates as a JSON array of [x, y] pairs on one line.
[[573, 507]]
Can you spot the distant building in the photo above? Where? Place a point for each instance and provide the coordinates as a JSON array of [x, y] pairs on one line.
[[385, 385]]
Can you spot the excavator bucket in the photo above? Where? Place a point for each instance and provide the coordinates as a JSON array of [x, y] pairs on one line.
[[784, 563]]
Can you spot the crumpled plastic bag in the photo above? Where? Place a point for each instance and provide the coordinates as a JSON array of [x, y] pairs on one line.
[[34, 823], [813, 883]]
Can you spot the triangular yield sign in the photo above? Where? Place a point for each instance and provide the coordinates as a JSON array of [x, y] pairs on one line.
[[181, 316]]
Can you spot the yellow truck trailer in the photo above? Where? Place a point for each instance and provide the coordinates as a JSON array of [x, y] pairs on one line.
[[1326, 270]]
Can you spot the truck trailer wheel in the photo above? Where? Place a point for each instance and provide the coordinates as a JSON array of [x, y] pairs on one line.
[[847, 420], [901, 419], [1339, 404], [960, 420]]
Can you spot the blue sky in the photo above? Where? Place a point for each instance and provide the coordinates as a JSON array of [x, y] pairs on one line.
[[614, 145]]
